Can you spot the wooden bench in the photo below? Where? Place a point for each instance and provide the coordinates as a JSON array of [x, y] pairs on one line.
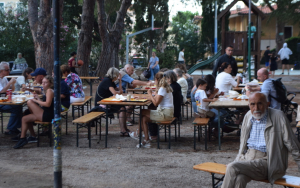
[[164, 124], [80, 106], [41, 125], [85, 122], [216, 168], [198, 124]]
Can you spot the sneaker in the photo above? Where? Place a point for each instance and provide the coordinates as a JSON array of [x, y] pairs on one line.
[[32, 139], [22, 142], [145, 144], [16, 138]]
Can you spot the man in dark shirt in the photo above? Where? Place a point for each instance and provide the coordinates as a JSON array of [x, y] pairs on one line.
[[267, 55], [227, 57]]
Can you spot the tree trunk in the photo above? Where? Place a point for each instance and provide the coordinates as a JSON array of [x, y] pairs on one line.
[[110, 34], [41, 26], [85, 36]]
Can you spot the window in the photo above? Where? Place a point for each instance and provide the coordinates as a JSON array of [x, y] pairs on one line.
[[288, 32]]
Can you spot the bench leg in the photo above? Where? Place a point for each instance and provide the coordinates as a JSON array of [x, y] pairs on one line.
[[38, 140], [96, 126], [50, 134], [187, 112], [205, 137], [2, 122], [66, 123], [199, 133], [169, 126], [175, 124], [77, 134], [73, 112], [158, 138], [213, 179], [89, 134], [191, 110], [195, 137]]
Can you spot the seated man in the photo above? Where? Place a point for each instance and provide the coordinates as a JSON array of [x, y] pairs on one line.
[[267, 88], [39, 75], [128, 82], [15, 110], [266, 139]]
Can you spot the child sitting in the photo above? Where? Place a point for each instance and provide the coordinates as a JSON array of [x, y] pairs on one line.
[[202, 100]]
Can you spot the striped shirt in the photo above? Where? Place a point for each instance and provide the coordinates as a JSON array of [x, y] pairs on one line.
[[257, 139]]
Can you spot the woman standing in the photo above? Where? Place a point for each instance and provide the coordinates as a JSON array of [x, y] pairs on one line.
[[40, 110], [153, 65], [72, 62], [20, 63], [74, 83]]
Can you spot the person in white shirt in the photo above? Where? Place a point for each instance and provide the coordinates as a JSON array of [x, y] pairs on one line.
[[15, 110], [182, 82], [202, 100], [181, 59], [285, 53], [24, 79], [224, 80], [165, 108]]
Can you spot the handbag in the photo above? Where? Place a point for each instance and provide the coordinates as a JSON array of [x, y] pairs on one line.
[[147, 73]]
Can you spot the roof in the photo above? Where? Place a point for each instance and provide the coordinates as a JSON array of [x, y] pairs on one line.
[[245, 10]]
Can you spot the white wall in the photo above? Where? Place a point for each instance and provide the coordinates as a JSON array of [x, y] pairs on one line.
[[265, 43]]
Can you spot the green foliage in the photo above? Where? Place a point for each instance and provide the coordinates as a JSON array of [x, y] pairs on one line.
[[167, 59], [186, 35], [15, 35], [68, 43], [292, 44]]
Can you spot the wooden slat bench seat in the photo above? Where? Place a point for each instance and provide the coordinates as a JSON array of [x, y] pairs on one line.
[[216, 168], [164, 124], [198, 124], [42, 125], [80, 106], [85, 122]]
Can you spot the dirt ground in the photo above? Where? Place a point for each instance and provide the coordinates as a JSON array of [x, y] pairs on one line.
[[121, 164]]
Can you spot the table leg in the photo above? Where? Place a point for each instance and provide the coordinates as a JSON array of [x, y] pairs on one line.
[[219, 133], [91, 87], [106, 128]]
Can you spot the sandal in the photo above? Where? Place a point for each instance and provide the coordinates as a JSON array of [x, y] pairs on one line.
[[124, 134]]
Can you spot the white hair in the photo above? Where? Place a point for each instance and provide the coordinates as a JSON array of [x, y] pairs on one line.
[[127, 66], [2, 65], [112, 73]]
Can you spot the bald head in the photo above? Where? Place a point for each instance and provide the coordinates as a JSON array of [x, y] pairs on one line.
[[129, 69], [262, 74], [258, 105]]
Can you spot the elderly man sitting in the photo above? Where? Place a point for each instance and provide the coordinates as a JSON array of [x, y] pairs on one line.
[[128, 82], [266, 139], [15, 110], [182, 82]]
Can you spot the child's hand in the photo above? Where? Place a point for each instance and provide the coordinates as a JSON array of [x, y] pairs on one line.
[[215, 99]]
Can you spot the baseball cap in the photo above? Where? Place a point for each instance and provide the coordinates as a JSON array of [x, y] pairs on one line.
[[39, 71]]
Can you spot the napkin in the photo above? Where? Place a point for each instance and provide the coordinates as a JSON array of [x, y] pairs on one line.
[[120, 97], [233, 94]]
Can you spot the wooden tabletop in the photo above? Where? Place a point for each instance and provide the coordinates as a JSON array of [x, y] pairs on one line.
[[229, 103], [141, 96], [13, 103], [142, 88], [88, 117]]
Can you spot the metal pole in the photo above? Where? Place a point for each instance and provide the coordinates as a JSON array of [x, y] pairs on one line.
[[216, 28], [249, 42], [57, 155]]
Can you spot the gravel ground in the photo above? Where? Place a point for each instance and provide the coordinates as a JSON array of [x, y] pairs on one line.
[[121, 164]]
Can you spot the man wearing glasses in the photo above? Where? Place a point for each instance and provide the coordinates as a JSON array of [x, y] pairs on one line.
[[15, 110], [227, 57]]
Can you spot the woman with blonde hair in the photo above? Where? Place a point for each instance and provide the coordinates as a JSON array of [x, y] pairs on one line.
[[40, 110], [165, 107]]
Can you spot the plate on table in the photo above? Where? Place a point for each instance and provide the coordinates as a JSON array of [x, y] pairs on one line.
[[137, 100]]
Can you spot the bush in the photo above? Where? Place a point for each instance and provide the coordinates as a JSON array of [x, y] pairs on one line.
[[167, 59], [292, 44]]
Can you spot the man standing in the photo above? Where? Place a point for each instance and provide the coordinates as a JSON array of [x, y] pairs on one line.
[[266, 140], [15, 110], [181, 59], [267, 55], [227, 57], [267, 88], [285, 53]]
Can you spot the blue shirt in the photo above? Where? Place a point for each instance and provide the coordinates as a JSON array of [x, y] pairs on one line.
[[126, 79], [257, 139], [153, 61], [268, 89]]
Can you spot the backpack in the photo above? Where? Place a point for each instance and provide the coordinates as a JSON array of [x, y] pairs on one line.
[[147, 73], [280, 91]]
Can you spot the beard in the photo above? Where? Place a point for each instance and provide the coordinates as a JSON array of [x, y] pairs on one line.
[[258, 114]]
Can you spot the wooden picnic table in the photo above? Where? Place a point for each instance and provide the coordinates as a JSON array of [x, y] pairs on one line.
[[123, 103], [227, 103], [141, 89]]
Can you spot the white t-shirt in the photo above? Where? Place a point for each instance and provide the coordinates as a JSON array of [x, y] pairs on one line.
[[3, 82], [224, 82], [167, 101], [199, 96], [184, 87], [181, 54], [18, 85]]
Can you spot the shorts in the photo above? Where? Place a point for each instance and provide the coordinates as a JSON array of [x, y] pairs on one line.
[[162, 114], [267, 64], [285, 61]]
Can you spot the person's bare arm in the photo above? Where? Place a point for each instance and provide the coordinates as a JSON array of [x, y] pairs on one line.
[[140, 83], [209, 100], [156, 100], [49, 98]]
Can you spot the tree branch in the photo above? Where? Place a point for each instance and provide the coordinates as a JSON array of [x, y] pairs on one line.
[[121, 14], [33, 13], [102, 19]]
